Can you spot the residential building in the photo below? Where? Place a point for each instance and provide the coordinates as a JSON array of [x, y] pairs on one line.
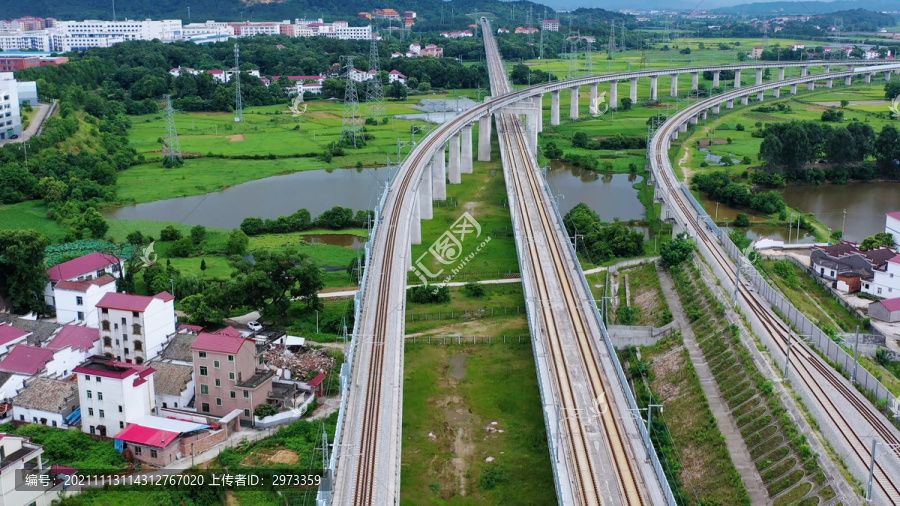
[[47, 402], [249, 29], [229, 374], [432, 50], [14, 61], [410, 14], [84, 339], [550, 25], [457, 35], [526, 30], [886, 280], [502, 30], [209, 28], [346, 32], [386, 14], [178, 351], [848, 261], [892, 226], [174, 384], [84, 268], [10, 336], [160, 441], [17, 455], [395, 76], [887, 310], [135, 328], [113, 394], [31, 360], [10, 114], [76, 301], [177, 71], [756, 52], [11, 384], [42, 40], [415, 48]]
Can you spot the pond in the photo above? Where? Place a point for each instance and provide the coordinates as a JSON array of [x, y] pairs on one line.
[[609, 195], [315, 190], [865, 205], [346, 240]]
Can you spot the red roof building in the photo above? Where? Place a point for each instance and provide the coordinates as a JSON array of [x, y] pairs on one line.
[[91, 265], [131, 302], [76, 336], [83, 286], [230, 332], [10, 334], [26, 359], [220, 343], [148, 436]]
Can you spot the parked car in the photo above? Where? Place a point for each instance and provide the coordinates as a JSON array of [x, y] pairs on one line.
[[255, 326], [14, 136]]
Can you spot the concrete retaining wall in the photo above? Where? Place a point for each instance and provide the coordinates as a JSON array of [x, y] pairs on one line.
[[626, 335]]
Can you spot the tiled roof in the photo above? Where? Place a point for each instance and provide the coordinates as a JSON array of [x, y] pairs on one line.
[[230, 332], [879, 256], [26, 359], [108, 368], [76, 336], [141, 435], [891, 304], [9, 333], [171, 379], [179, 348], [895, 259], [895, 215], [47, 395], [219, 343], [130, 302], [80, 266], [83, 286]]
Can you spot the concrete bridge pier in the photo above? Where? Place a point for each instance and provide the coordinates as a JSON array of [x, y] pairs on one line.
[[683, 127], [868, 78], [737, 78], [704, 114], [466, 166], [415, 224], [573, 105], [793, 89], [827, 69], [729, 104], [426, 209], [829, 83], [554, 107], [653, 87], [673, 91], [674, 136], [887, 76], [716, 108], [759, 76], [539, 107], [455, 177], [694, 120], [848, 80], [777, 92], [695, 81], [760, 96], [781, 73], [804, 71], [614, 94], [484, 138], [716, 76], [745, 100], [594, 93], [634, 81], [811, 86], [439, 175], [533, 129]]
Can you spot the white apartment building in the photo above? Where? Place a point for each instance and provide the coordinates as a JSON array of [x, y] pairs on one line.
[[10, 114], [205, 29], [37, 40], [135, 328], [113, 394], [885, 283], [81, 269], [76, 301], [166, 30], [892, 226], [19, 454], [345, 32]]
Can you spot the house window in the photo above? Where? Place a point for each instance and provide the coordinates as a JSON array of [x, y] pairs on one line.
[[124, 321], [121, 425], [89, 394], [79, 301], [204, 407], [136, 329], [231, 358], [22, 418], [246, 412], [93, 430], [201, 354], [204, 389], [104, 311], [260, 360], [102, 415], [134, 314], [246, 394], [120, 408], [126, 352], [137, 450], [97, 378], [218, 401], [218, 382], [153, 454], [80, 316], [107, 342], [125, 337], [203, 370], [232, 394], [879, 291], [106, 324], [216, 364], [54, 423], [99, 396], [87, 377], [231, 376], [90, 411], [139, 360]]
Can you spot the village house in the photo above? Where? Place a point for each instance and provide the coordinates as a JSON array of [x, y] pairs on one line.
[[46, 402], [31, 360], [886, 282], [19, 455], [10, 336], [550, 25], [84, 339], [851, 268], [135, 327], [83, 268], [395, 76], [113, 394], [76, 301], [174, 384], [887, 310], [892, 226], [160, 441]]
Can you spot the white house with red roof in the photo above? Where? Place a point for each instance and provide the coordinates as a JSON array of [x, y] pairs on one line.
[[886, 283], [10, 336], [395, 75], [892, 226], [113, 394], [51, 362], [84, 268], [76, 301], [135, 328]]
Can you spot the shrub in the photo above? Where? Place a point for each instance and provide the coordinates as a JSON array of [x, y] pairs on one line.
[[429, 294], [169, 233], [473, 290], [182, 248], [742, 220], [264, 410]]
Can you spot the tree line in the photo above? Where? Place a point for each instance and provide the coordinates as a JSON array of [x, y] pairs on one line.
[[599, 242], [336, 218], [721, 187]]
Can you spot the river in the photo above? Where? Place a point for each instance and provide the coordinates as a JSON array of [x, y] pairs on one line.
[[865, 205], [609, 195]]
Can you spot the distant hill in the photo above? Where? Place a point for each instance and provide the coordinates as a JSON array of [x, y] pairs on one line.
[[797, 7]]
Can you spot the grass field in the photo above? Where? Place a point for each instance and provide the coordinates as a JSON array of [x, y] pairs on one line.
[[507, 301], [30, 215], [646, 295], [473, 432]]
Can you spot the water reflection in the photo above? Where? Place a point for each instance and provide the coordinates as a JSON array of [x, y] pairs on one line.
[[609, 195], [865, 204]]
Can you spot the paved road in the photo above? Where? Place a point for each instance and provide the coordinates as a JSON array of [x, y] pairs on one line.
[[40, 114]]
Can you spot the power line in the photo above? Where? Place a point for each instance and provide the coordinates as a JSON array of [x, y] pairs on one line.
[[238, 103], [351, 126]]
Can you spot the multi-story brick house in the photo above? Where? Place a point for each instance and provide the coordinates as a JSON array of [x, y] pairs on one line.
[[135, 328], [229, 374], [113, 394], [81, 269]]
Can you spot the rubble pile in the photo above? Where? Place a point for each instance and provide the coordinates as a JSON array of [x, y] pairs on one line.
[[303, 366]]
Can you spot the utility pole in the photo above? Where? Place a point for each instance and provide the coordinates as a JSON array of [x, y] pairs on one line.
[[238, 103], [351, 124], [611, 48], [856, 354], [844, 222], [787, 360]]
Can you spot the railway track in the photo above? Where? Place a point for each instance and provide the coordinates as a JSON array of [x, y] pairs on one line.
[[804, 361], [564, 319]]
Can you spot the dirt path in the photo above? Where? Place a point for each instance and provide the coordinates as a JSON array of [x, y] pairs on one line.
[[683, 161], [724, 419]]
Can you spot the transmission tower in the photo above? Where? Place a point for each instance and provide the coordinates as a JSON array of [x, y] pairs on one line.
[[543, 18], [238, 104], [571, 51], [351, 126], [171, 146], [612, 40], [374, 87], [588, 58], [766, 34], [529, 21]]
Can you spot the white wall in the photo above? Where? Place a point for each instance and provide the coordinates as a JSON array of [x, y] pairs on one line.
[[64, 361], [10, 118], [886, 284], [15, 383], [892, 226], [67, 307], [136, 401], [35, 416], [157, 324]]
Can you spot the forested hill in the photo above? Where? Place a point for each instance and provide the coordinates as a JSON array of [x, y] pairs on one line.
[[803, 8], [258, 10]]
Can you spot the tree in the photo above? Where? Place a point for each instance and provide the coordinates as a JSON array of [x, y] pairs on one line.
[[23, 275], [840, 146], [252, 226], [200, 309], [887, 149], [136, 238], [676, 251], [203, 265], [552, 151], [170, 233], [473, 290], [876, 241], [837, 235], [580, 220], [742, 220], [237, 242], [274, 279], [891, 90], [580, 140], [626, 103], [264, 410], [520, 74], [398, 91], [181, 248], [198, 233]]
